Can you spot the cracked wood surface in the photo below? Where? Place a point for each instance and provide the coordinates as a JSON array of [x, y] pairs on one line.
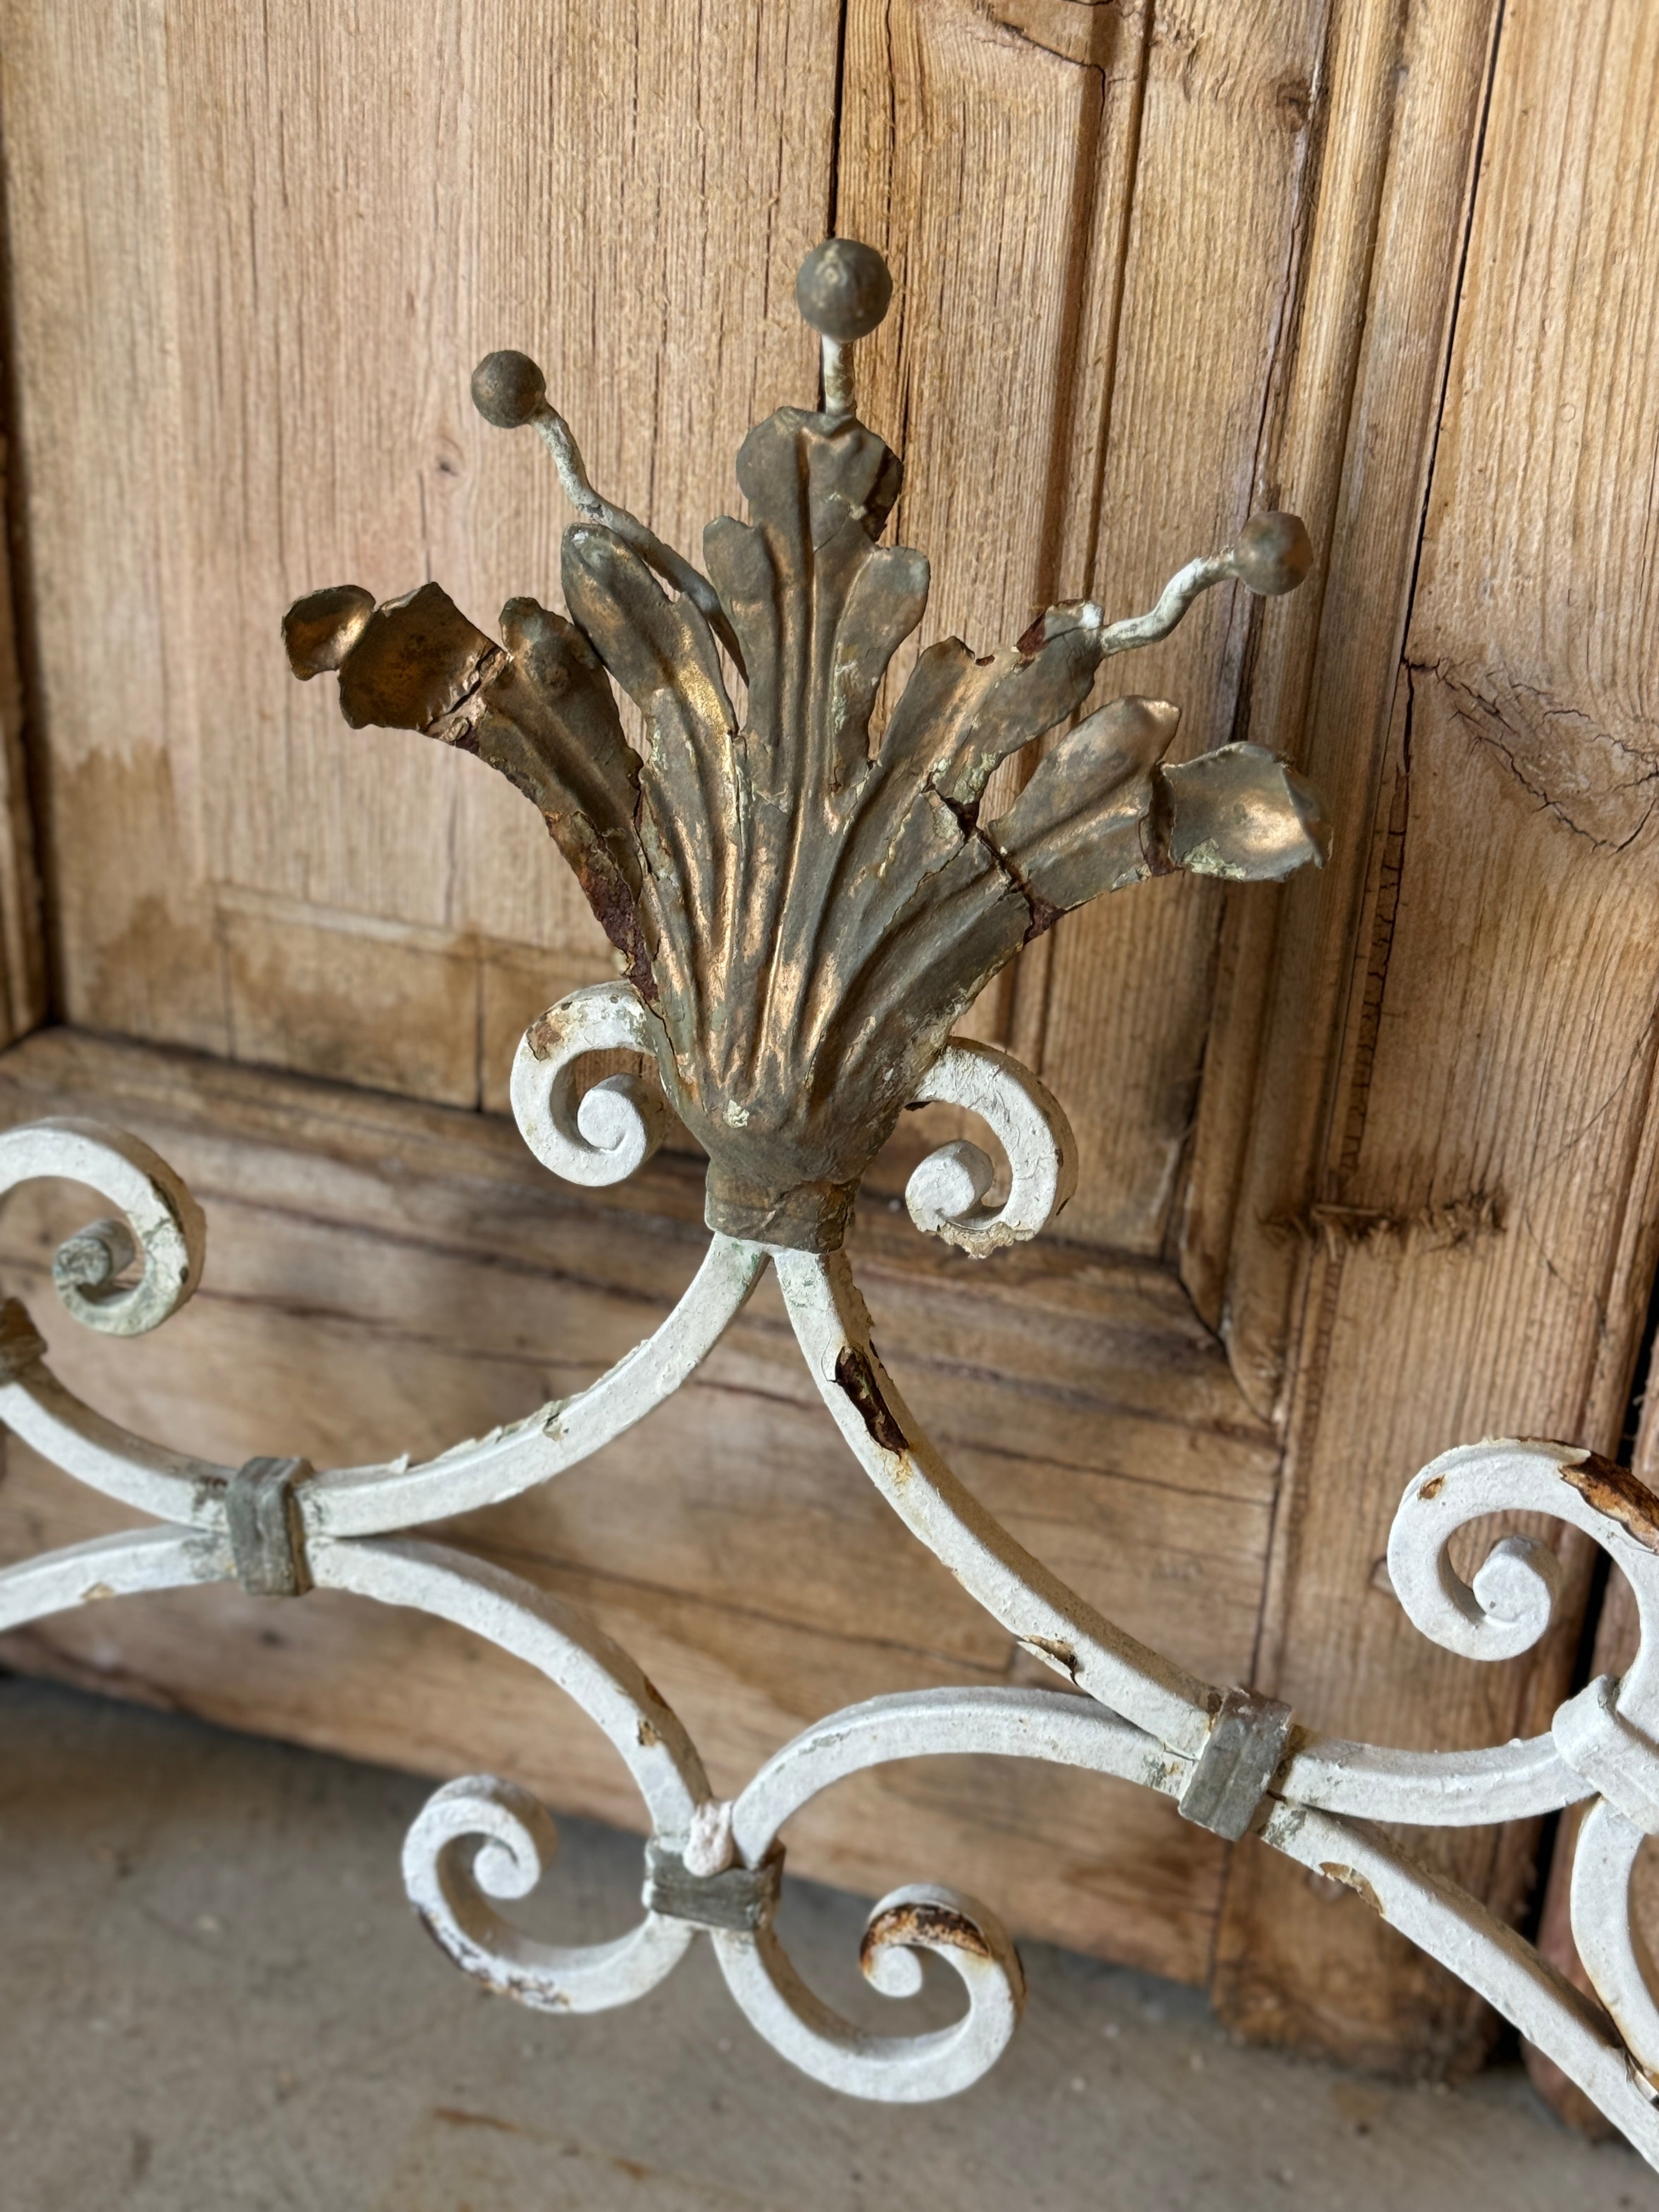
[[1501, 1034], [385, 1273]]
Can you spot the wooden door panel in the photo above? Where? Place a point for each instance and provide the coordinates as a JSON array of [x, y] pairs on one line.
[[290, 240], [1387, 262], [1387, 243]]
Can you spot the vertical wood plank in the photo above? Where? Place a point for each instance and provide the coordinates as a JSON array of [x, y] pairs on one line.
[[1211, 283], [266, 249], [85, 118], [1399, 118], [1496, 1137], [23, 995], [988, 375]]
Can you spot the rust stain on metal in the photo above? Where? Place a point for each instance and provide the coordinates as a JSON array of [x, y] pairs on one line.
[[1616, 1493], [545, 1034], [525, 1987], [935, 1925], [1350, 1878], [1061, 1654], [856, 1377], [436, 1930]]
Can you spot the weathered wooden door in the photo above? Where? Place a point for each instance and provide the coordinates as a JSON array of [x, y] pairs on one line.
[[1367, 1162]]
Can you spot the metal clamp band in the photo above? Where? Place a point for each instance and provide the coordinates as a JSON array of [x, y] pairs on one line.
[[741, 1898], [267, 1533], [1230, 1775]]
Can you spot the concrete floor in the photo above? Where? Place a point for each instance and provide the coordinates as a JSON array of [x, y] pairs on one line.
[[215, 1998]]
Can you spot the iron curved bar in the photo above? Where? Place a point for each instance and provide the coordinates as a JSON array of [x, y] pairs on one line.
[[126, 1565], [1441, 1918], [514, 1838], [51, 1420], [1048, 1619], [1142, 1720], [1608, 1933], [558, 1640], [1516, 1781], [1375, 1781], [363, 1501], [1484, 1952], [1009, 1723]]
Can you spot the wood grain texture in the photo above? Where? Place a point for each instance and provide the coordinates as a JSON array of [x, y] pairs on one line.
[[284, 241], [1496, 1132], [385, 1275], [1209, 285], [1352, 435], [1153, 268], [1109, 344], [296, 234]]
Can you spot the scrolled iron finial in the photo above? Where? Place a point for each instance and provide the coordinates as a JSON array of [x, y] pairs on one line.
[[804, 897]]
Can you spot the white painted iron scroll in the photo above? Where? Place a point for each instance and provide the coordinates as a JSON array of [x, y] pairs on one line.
[[715, 1867]]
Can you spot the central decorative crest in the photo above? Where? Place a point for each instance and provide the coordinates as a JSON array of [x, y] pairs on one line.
[[804, 897]]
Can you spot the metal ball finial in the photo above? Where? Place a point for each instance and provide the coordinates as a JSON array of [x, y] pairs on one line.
[[843, 289], [508, 390], [1272, 554]]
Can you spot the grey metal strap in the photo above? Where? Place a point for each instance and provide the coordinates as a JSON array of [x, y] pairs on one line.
[[743, 1898], [1230, 1775], [267, 1533]]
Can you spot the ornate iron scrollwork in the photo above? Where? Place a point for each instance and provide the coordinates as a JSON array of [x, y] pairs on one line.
[[803, 899]]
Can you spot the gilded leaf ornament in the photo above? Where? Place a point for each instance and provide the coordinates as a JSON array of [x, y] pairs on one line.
[[806, 900]]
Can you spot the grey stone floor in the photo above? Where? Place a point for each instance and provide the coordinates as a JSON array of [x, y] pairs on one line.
[[214, 1997]]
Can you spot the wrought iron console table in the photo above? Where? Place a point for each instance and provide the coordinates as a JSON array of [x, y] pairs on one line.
[[801, 907]]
